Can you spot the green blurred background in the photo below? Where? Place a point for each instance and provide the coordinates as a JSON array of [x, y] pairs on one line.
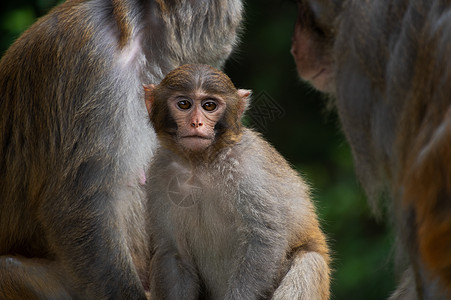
[[299, 126]]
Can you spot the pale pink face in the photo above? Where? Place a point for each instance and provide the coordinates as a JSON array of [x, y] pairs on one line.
[[310, 54], [196, 116], [312, 68]]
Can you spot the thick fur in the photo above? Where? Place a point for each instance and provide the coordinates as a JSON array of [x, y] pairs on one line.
[[250, 218], [74, 139], [398, 95], [393, 94]]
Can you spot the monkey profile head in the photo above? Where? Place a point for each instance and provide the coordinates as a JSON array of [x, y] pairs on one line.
[[312, 42]]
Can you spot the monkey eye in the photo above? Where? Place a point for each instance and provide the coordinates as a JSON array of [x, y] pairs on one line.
[[184, 104], [209, 106]]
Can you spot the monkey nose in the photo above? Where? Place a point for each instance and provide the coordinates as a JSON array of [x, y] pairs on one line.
[[196, 124]]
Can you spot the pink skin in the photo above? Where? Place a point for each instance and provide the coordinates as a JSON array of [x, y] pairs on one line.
[[142, 177], [196, 116], [312, 65]]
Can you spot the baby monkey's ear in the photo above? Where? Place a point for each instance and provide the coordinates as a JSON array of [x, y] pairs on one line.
[[148, 96], [244, 102]]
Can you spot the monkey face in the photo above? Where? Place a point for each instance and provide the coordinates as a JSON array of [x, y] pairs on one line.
[[196, 116], [195, 109], [311, 44]]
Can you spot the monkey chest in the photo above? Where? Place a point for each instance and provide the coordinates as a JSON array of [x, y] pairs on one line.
[[211, 238]]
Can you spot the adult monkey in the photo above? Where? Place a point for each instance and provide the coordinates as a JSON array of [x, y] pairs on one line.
[[74, 139], [388, 65]]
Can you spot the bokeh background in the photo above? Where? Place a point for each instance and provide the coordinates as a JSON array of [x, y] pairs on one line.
[[293, 117]]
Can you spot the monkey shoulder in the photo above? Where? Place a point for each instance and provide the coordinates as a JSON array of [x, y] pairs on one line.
[[267, 170], [264, 157], [277, 191]]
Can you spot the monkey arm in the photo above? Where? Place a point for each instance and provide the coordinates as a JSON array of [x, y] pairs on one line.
[[308, 272], [173, 276], [307, 278]]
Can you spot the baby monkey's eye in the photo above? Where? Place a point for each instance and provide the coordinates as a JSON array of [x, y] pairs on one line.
[[184, 104], [209, 106]]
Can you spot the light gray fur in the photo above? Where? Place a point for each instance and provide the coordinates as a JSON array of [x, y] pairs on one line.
[[248, 211]]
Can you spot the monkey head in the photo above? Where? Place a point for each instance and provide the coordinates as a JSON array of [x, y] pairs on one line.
[[196, 107], [312, 42]]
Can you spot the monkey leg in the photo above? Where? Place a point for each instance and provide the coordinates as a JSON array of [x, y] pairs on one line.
[[31, 279], [307, 278], [173, 277]]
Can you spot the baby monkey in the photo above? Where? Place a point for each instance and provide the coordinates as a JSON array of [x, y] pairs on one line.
[[229, 218]]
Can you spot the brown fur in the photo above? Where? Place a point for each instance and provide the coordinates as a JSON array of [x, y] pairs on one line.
[[74, 140], [391, 80], [250, 232]]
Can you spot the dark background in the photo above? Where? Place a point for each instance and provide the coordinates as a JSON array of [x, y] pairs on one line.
[[292, 116]]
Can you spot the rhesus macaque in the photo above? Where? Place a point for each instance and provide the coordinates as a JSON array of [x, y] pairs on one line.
[[75, 140], [388, 65], [228, 215]]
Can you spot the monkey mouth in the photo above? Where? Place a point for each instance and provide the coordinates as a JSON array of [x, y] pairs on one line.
[[323, 80], [323, 70], [196, 143], [195, 136]]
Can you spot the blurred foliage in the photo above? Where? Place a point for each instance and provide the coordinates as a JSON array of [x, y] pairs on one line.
[[304, 132]]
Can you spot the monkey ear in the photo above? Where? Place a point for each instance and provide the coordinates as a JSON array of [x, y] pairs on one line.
[[148, 96], [245, 101]]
